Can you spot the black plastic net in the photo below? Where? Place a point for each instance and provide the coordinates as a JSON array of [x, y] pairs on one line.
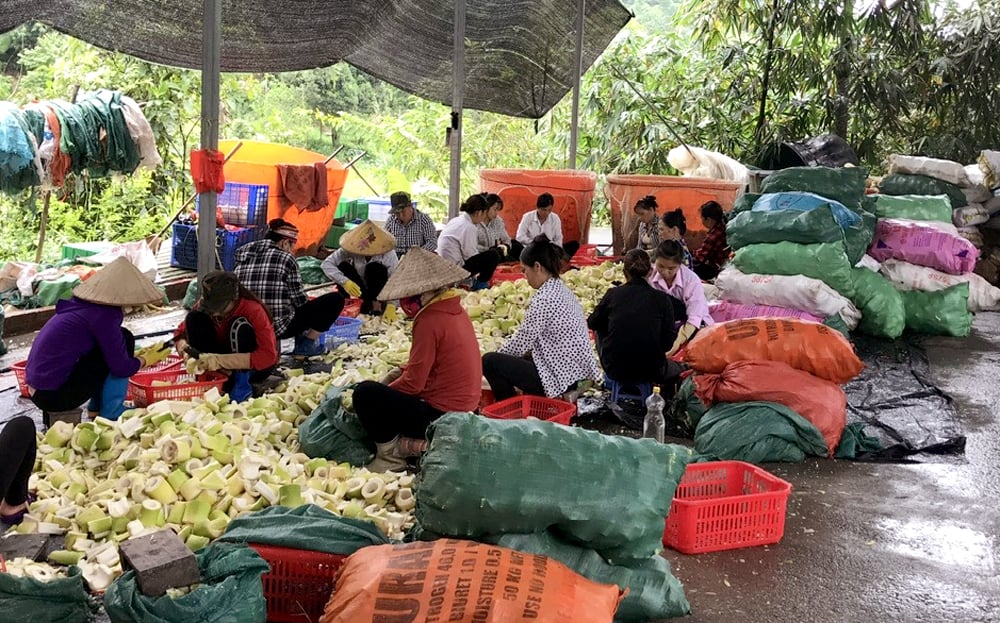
[[519, 56]]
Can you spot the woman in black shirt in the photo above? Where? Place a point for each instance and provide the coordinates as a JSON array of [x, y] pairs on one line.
[[634, 324]]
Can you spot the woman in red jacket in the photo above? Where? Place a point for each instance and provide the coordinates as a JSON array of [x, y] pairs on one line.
[[444, 371], [231, 330]]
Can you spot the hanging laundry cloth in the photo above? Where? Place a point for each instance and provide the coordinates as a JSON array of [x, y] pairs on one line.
[[17, 156], [80, 135], [207, 170], [304, 185], [118, 152], [55, 163], [142, 133]]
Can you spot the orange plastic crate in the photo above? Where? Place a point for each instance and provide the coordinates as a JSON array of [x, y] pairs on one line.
[[182, 386], [299, 584], [726, 505], [520, 407], [352, 307], [20, 371]]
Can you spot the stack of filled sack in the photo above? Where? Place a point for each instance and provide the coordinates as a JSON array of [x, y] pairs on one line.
[[798, 246], [767, 389], [927, 242]]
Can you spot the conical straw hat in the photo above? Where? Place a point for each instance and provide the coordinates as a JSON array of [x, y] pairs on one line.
[[367, 239], [421, 271], [119, 283]]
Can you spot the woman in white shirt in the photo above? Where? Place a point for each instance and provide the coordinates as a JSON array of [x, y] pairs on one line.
[[459, 242], [493, 232], [551, 350], [544, 222]]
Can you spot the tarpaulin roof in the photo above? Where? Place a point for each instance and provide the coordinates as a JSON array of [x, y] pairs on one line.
[[519, 57]]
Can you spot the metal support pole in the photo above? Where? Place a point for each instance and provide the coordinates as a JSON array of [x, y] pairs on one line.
[[210, 45], [574, 127], [457, 97]]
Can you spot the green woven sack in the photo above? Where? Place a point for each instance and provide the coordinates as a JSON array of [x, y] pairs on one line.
[[757, 432], [882, 311], [846, 185], [332, 432], [807, 227], [654, 593], [482, 476], [837, 323], [914, 207], [826, 261], [687, 408], [858, 237], [902, 184], [311, 271], [743, 204], [305, 527], [26, 600], [944, 312], [230, 592]]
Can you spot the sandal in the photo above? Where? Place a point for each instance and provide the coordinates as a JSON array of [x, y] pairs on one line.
[[16, 518]]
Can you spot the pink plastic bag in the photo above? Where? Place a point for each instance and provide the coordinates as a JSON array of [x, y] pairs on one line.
[[722, 311], [923, 246]]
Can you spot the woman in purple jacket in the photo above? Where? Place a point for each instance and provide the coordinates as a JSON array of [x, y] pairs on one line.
[[83, 352]]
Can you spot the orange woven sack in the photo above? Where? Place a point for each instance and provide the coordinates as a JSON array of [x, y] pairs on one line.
[[821, 402], [464, 582], [806, 346]]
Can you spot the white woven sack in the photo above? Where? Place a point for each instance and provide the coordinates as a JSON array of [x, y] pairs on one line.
[[905, 276], [944, 170], [794, 292]]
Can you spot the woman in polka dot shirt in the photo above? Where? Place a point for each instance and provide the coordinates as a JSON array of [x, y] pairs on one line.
[[551, 350]]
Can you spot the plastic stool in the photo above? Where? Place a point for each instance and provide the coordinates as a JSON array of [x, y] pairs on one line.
[[644, 389]]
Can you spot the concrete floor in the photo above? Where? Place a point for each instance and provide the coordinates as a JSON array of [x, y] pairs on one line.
[[879, 542], [863, 542]]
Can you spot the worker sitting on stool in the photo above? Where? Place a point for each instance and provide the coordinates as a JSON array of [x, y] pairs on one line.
[[363, 263], [83, 352], [231, 331]]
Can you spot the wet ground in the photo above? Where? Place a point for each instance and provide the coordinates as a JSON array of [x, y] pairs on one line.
[[879, 542], [863, 542]]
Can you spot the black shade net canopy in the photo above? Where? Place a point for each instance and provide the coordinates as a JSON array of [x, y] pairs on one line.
[[519, 56]]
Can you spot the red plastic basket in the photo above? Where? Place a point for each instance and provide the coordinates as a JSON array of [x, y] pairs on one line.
[[520, 407], [299, 584], [182, 386], [726, 505], [20, 371], [510, 272], [352, 307]]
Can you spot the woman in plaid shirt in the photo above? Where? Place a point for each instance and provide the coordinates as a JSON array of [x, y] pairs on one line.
[[714, 251], [492, 233]]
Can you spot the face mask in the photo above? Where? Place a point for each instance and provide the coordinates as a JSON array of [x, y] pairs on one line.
[[410, 305]]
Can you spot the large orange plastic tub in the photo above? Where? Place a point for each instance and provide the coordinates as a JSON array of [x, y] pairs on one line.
[[573, 192], [257, 163], [671, 192]]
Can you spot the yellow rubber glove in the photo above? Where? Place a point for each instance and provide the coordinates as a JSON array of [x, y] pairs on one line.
[[209, 361], [152, 355], [234, 361], [389, 315], [352, 288], [683, 335]]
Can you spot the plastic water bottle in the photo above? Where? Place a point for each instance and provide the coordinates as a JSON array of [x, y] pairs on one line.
[[654, 424]]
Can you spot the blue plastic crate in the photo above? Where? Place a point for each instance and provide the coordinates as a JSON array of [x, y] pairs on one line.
[[343, 331], [244, 205], [184, 252]]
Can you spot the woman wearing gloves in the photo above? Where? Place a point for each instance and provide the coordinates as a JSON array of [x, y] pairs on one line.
[[230, 330], [84, 353], [459, 242], [363, 263], [17, 459], [634, 325], [670, 275], [551, 351], [443, 372], [493, 234], [269, 270]]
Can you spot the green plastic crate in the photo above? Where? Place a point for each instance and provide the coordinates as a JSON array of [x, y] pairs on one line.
[[346, 208], [333, 236], [360, 211], [74, 250]]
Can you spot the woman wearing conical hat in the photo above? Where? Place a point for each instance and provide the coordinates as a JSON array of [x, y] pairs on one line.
[[444, 371], [83, 352], [363, 263]]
